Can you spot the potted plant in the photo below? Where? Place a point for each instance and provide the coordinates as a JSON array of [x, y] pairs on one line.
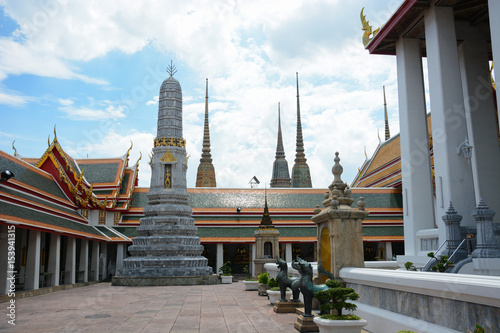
[[334, 300], [226, 276], [250, 283], [263, 277], [274, 292], [442, 263]]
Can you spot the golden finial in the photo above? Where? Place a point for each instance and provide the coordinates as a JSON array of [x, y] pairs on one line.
[[367, 28], [15, 150], [55, 134], [171, 70], [48, 140], [378, 134], [140, 157], [366, 155], [128, 153]]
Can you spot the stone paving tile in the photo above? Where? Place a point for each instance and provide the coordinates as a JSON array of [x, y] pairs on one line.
[[104, 308]]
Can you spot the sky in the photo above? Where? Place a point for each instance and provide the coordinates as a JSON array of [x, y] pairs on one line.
[[93, 70]]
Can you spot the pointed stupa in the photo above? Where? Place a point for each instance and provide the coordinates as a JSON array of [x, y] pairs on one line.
[[281, 176], [206, 171], [386, 117], [301, 176]]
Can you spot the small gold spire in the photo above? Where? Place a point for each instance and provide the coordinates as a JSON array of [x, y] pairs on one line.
[[55, 134], [171, 70]]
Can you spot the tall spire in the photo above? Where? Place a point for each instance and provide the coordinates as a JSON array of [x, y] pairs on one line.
[[206, 171], [281, 176], [387, 132], [301, 176]]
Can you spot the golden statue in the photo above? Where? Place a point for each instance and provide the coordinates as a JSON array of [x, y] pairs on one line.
[[167, 178]]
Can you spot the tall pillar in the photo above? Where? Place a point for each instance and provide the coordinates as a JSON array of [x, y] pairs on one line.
[[120, 255], [94, 264], [254, 249], [104, 258], [388, 250], [70, 261], [33, 261], [416, 174], [220, 257], [55, 258], [288, 252], [84, 260], [494, 13], [4, 259], [481, 120], [453, 174]]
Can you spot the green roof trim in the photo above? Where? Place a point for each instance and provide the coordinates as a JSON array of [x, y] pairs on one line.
[[100, 173], [24, 174], [127, 231], [37, 216]]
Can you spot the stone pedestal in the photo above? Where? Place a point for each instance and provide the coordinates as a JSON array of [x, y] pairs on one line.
[[340, 235], [287, 307], [305, 324]]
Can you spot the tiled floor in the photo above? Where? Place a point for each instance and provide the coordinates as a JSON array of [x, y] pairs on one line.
[[104, 308]]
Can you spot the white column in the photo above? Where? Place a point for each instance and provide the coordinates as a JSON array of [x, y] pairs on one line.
[[120, 255], [94, 264], [104, 257], [84, 260], [220, 257], [288, 252], [481, 120], [418, 206], [494, 13], [54, 259], [71, 261], [253, 258], [388, 250], [4, 259], [33, 261], [452, 172]]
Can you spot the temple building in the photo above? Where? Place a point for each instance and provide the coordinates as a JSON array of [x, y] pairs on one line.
[[206, 171], [281, 176], [74, 219], [460, 164]]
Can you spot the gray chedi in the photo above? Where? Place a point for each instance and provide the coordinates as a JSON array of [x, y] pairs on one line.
[[167, 245]]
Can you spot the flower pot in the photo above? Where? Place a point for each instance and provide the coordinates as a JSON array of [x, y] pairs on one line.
[[339, 326], [226, 279], [251, 285], [276, 295]]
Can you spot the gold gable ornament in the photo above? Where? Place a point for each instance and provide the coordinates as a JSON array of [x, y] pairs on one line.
[[168, 157]]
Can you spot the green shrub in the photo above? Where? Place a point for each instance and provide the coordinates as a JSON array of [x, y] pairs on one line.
[[442, 262], [272, 283], [408, 265], [226, 269], [263, 277], [336, 298]]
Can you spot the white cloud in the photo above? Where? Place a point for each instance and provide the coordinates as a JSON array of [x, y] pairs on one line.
[[85, 113], [249, 50]]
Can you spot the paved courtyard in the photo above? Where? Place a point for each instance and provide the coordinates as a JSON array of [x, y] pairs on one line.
[[104, 308]]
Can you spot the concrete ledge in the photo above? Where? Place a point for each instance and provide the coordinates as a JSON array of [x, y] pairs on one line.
[[42, 291], [477, 289], [380, 320], [165, 281]]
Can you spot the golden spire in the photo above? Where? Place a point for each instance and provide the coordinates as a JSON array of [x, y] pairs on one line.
[[15, 150], [387, 132], [171, 70]]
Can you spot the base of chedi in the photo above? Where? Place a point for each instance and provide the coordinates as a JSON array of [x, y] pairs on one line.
[[167, 250]]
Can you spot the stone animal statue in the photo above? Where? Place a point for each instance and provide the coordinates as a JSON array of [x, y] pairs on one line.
[[286, 282], [307, 287]]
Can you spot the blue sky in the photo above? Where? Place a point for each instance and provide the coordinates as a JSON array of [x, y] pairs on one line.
[[94, 69]]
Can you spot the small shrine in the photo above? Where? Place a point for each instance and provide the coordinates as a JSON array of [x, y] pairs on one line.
[[267, 242]]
